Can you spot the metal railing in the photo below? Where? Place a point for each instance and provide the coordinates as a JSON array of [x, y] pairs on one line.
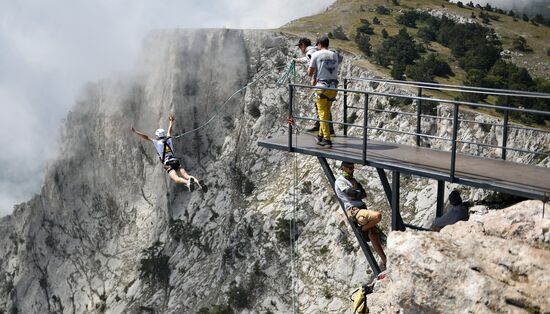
[[455, 104]]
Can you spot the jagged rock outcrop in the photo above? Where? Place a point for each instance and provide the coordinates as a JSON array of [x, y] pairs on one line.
[[110, 233], [494, 263]]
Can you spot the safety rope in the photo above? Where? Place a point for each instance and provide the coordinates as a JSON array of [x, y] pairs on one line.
[[290, 68], [289, 71], [293, 248]]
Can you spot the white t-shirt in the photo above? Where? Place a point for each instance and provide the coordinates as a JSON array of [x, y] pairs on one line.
[[159, 146], [309, 51], [325, 63], [340, 185]]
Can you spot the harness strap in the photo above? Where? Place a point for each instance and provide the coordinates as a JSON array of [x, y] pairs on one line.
[[165, 142]]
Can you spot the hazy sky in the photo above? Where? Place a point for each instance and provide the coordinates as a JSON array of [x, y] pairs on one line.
[[50, 49]]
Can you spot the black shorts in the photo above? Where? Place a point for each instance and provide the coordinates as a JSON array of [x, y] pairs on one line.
[[172, 164]]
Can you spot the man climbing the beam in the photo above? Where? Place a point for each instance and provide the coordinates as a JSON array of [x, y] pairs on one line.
[[323, 70], [352, 193], [165, 149]]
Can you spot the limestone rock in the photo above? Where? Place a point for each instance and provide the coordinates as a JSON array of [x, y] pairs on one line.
[[497, 263], [107, 214]]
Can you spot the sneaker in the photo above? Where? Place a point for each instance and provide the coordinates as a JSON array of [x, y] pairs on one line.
[[203, 186], [325, 143], [319, 139], [190, 185], [313, 129]]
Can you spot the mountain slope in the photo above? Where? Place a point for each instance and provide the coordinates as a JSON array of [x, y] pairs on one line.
[[348, 13], [109, 233]]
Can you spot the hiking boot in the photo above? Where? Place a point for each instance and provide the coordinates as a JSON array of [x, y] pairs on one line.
[[325, 143], [313, 129]]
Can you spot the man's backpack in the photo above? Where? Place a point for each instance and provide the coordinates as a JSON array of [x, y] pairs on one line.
[[340, 56]]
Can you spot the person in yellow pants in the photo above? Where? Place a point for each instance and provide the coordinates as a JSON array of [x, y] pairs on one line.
[[324, 99], [323, 70]]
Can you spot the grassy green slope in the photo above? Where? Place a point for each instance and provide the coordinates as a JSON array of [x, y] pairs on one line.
[[348, 13]]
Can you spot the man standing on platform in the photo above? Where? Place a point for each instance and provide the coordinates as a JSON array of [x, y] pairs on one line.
[[323, 70], [307, 49], [352, 193]]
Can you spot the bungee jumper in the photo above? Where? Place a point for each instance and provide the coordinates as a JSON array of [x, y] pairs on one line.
[[165, 149]]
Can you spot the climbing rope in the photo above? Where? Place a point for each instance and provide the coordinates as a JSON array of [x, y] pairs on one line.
[[292, 230], [283, 78]]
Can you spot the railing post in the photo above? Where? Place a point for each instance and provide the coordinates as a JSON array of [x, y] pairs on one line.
[[505, 129], [454, 136], [418, 116], [365, 122], [290, 105], [345, 107]]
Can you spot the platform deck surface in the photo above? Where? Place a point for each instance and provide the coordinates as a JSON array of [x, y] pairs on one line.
[[499, 175]]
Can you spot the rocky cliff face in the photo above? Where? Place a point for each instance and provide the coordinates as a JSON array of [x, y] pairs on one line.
[[109, 233], [494, 263]]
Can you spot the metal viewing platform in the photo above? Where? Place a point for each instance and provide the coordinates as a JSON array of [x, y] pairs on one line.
[[497, 174]]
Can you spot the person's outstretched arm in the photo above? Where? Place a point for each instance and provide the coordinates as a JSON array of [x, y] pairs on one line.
[[170, 125], [143, 136]]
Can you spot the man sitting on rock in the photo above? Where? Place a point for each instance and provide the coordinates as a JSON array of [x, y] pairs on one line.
[[352, 193], [457, 212]]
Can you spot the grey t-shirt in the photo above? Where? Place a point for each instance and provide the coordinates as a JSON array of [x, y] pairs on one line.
[[325, 63], [340, 186], [453, 215]]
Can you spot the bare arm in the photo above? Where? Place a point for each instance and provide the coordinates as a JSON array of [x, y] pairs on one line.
[[311, 72], [170, 125], [143, 136]]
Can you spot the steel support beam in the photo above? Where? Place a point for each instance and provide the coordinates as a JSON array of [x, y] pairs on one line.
[[440, 197], [358, 234], [385, 184], [395, 215], [387, 189]]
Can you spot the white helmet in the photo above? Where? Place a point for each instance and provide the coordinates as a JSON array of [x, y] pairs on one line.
[[160, 133]]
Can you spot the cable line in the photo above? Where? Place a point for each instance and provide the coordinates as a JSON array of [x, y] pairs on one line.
[[290, 69]]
